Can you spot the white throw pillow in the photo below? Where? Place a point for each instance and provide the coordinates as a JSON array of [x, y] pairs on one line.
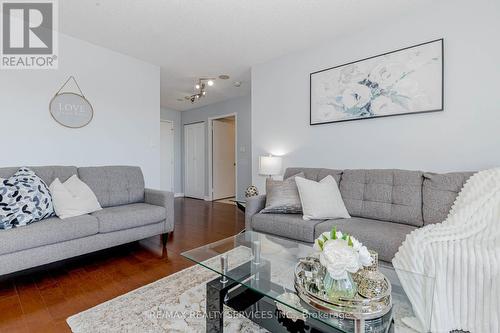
[[73, 198], [321, 200]]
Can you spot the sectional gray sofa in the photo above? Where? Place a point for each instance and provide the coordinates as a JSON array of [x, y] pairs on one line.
[[385, 206], [130, 213]]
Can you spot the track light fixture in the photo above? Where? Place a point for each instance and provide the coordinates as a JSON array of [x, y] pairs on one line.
[[201, 86]]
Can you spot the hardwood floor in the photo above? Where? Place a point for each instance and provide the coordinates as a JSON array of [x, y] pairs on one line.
[[41, 301]]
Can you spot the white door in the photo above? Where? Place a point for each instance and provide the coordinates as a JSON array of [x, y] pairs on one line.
[[194, 160], [167, 156], [224, 159]]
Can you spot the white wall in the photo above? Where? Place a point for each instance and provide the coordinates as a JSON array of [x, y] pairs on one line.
[[175, 117], [242, 107], [463, 137], [124, 92]]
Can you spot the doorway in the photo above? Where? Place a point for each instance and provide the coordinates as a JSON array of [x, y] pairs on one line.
[[194, 160], [223, 157], [167, 155]]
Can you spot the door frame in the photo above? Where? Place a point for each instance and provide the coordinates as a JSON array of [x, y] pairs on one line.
[[203, 197], [210, 154], [172, 174]]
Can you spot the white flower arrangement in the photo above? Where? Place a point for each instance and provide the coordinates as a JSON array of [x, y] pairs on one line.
[[341, 254]]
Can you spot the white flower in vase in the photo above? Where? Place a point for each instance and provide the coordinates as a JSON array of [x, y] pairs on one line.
[[341, 254], [364, 255], [339, 259]]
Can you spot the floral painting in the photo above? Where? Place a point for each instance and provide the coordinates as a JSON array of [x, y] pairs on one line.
[[400, 82]]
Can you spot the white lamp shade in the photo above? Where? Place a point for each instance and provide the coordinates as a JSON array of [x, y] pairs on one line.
[[270, 165]]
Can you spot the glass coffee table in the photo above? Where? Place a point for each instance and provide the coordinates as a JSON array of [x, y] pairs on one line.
[[255, 270]]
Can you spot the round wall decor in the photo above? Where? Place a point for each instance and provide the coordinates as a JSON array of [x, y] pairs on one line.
[[71, 109]]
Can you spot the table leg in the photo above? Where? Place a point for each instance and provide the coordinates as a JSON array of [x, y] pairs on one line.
[[218, 289], [215, 309]]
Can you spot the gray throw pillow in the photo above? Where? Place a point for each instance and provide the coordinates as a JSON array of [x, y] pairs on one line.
[[282, 196]]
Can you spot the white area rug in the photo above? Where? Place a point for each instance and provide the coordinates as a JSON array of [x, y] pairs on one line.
[[173, 304]]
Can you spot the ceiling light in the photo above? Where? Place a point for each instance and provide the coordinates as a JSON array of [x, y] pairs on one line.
[[200, 87], [237, 84], [224, 77]]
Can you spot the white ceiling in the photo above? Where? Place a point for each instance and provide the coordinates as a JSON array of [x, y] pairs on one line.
[[193, 38]]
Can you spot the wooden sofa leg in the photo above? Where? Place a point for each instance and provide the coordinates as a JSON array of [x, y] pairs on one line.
[[164, 238]]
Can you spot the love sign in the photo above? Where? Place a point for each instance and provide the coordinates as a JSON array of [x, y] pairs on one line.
[[71, 109]]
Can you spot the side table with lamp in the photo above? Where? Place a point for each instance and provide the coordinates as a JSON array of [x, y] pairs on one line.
[[269, 166]]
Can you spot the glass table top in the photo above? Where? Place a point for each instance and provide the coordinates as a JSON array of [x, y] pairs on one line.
[[281, 256]]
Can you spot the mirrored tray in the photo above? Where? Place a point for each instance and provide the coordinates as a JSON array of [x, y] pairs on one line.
[[308, 284]]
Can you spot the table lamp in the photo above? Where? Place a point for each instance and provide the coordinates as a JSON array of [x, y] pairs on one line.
[[270, 165]]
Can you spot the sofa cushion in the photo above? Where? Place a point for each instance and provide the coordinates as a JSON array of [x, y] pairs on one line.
[[24, 199], [388, 195], [383, 237], [315, 174], [47, 173], [282, 196], [439, 194], [73, 198], [129, 216], [46, 232], [114, 185], [291, 226], [321, 200]]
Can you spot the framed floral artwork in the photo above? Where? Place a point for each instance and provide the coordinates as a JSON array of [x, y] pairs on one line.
[[404, 81]]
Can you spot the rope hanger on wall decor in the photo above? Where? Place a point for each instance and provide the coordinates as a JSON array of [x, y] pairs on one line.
[[76, 83], [70, 109]]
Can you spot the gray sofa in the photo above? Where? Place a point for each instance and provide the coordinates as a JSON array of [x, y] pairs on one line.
[[130, 213], [385, 206]]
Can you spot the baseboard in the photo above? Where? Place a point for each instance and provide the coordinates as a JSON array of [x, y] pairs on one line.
[[178, 195], [207, 198]]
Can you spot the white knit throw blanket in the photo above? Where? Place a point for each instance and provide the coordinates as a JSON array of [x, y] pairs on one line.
[[455, 265]]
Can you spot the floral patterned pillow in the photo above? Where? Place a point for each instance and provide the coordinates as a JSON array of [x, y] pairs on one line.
[[24, 199]]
